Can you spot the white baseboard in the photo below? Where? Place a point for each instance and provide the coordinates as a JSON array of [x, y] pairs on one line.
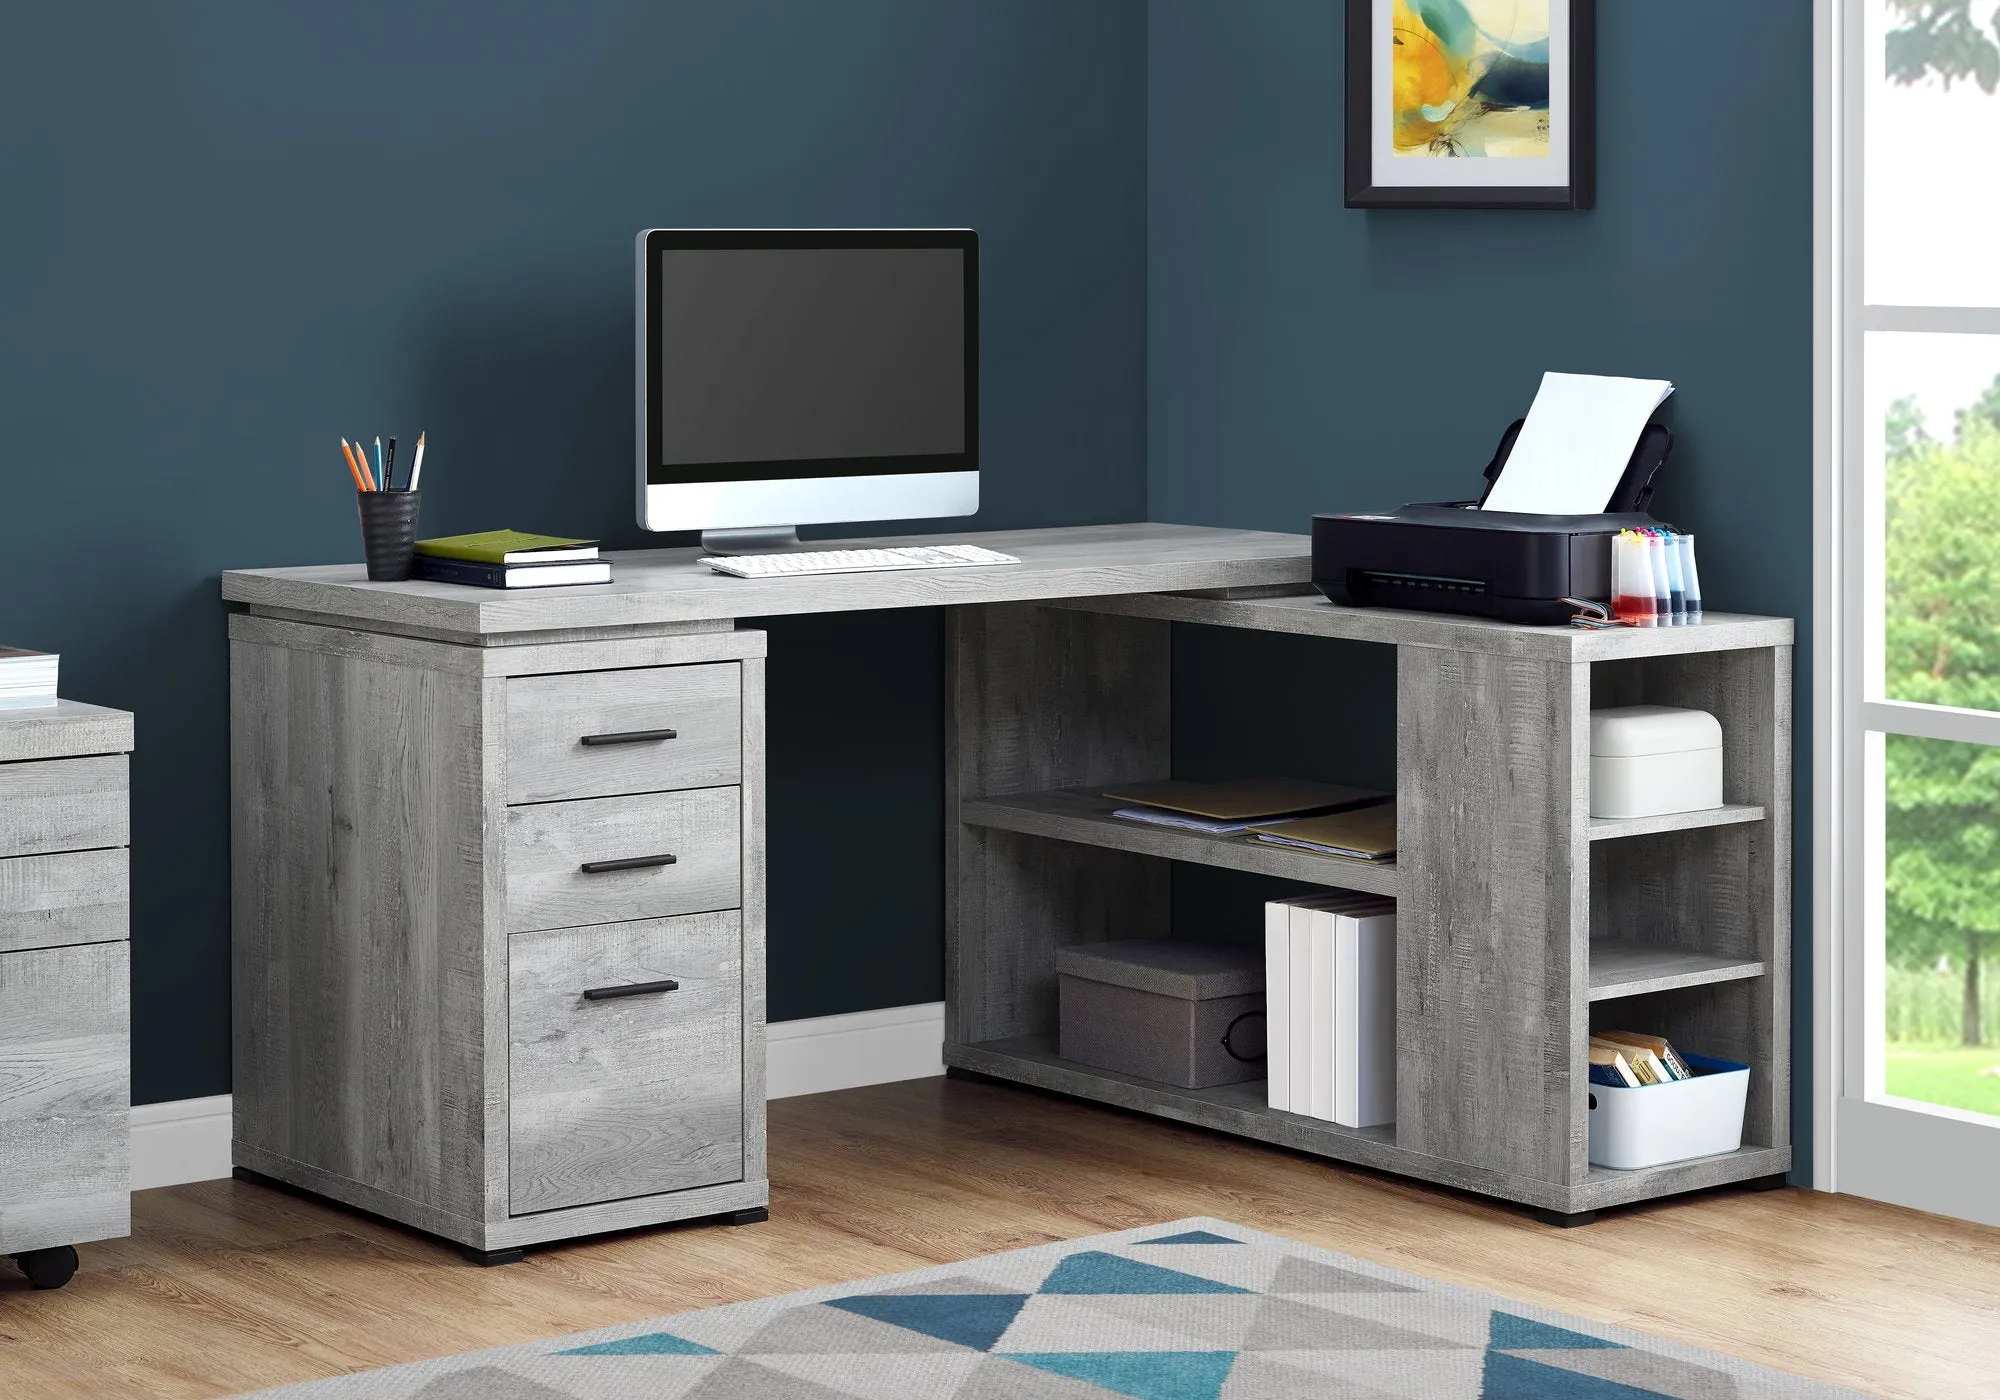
[[825, 1053], [188, 1139]]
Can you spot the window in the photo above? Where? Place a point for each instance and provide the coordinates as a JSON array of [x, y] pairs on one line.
[[1913, 201]]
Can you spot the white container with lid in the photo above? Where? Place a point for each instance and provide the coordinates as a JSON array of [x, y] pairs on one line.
[[1650, 760]]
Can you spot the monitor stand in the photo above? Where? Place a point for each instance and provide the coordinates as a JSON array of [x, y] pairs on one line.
[[760, 539]]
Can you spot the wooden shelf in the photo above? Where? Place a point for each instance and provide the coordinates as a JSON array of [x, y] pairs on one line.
[[1084, 817], [1620, 969], [1241, 1109], [1729, 814]]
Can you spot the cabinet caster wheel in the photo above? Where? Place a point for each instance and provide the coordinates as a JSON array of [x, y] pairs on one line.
[[493, 1258], [48, 1268], [755, 1215], [1769, 1183]]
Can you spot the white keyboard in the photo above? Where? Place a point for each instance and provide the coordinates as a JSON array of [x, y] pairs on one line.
[[857, 561]]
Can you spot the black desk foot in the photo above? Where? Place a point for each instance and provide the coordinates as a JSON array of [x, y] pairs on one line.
[[490, 1258], [1565, 1220], [755, 1215], [1769, 1183], [48, 1268]]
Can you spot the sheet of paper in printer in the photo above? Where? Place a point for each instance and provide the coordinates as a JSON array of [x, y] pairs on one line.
[[1574, 447]]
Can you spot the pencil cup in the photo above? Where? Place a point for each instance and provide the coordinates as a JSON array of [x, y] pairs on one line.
[[388, 533]]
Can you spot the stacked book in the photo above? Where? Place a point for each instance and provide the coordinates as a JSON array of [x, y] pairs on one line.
[[510, 559], [27, 678], [1330, 998]]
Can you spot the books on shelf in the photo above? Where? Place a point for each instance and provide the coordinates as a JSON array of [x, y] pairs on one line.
[[1628, 1060], [27, 678], [1233, 808], [510, 559], [1330, 990]]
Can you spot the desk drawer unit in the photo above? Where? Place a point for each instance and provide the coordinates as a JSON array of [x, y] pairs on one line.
[[65, 1000], [626, 1060], [498, 928], [610, 733], [607, 859]]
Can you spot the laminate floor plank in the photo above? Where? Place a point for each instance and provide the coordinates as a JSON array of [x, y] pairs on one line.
[[226, 1287]]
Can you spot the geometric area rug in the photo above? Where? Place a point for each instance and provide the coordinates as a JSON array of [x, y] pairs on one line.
[[1196, 1310]]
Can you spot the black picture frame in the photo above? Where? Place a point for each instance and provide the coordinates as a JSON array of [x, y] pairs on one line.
[[1579, 193]]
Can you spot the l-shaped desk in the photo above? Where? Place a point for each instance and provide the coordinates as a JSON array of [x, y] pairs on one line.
[[498, 872]]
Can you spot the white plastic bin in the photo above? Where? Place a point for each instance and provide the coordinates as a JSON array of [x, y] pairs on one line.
[[1659, 1123]]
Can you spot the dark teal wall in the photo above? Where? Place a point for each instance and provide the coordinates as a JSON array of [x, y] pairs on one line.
[[237, 230], [1305, 357]]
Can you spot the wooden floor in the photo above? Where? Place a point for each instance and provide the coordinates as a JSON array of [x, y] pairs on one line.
[[226, 1287]]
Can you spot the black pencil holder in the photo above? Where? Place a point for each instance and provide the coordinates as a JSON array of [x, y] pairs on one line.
[[388, 533]]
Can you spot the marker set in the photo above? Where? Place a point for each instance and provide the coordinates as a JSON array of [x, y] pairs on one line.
[[1653, 579]]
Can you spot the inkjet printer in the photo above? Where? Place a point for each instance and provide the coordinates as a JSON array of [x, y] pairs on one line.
[[1453, 557]]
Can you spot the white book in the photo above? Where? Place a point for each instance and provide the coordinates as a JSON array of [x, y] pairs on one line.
[[1312, 1013], [1364, 1054], [1278, 1003], [1320, 926], [1300, 1081]]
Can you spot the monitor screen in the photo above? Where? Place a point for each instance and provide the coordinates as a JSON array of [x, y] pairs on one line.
[[787, 362]]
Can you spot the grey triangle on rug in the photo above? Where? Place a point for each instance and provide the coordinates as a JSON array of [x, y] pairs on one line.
[[1197, 1309]]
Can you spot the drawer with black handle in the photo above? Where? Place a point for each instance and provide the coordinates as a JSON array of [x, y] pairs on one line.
[[607, 859], [625, 1060], [611, 733]]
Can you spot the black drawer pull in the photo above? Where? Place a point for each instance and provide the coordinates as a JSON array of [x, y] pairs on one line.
[[598, 867], [630, 736], [634, 989]]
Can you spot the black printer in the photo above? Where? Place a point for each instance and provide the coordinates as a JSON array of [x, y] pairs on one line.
[[1450, 556]]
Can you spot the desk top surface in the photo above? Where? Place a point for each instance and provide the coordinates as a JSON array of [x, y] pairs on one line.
[[651, 587], [1134, 569]]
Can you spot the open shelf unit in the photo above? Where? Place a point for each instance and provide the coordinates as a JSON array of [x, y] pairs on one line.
[[1522, 923]]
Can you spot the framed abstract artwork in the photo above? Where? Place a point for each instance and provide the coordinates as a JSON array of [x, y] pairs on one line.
[[1471, 104]]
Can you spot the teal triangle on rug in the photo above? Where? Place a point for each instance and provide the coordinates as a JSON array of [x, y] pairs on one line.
[[1511, 1333], [1194, 1237], [1094, 1271], [973, 1320], [1518, 1378], [1145, 1375], [650, 1344]]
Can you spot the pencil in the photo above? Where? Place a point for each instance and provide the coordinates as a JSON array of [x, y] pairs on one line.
[[360, 482], [380, 475], [417, 464], [389, 473]]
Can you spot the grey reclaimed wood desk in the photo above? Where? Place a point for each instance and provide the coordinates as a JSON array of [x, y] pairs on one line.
[[499, 940]]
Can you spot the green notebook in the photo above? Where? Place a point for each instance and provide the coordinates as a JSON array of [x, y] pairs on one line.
[[508, 547]]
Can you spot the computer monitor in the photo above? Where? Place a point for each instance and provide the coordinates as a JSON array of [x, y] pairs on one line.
[[803, 376]]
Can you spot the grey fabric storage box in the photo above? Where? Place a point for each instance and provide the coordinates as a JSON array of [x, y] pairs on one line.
[[1158, 1009]]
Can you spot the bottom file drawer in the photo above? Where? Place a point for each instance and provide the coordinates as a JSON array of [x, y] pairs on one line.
[[65, 1096], [616, 1095]]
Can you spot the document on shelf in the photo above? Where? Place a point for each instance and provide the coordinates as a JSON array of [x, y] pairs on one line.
[[1575, 445]]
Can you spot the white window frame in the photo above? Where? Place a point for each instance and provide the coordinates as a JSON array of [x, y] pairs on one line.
[[1848, 714]]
